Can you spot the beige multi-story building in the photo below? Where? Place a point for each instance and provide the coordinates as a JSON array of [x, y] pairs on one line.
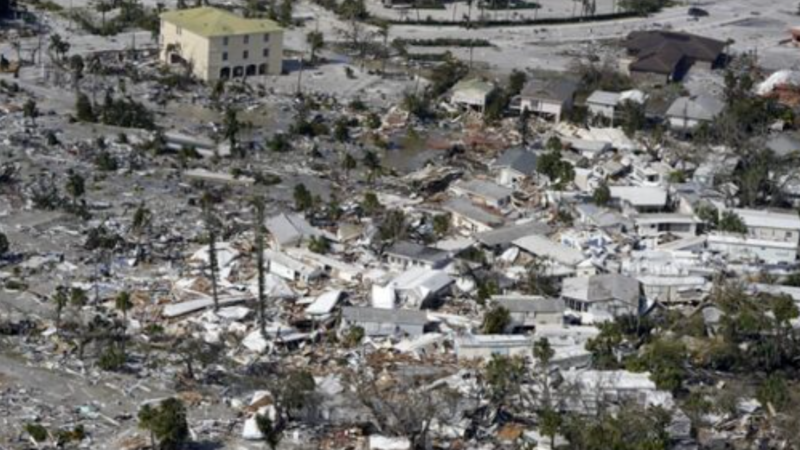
[[217, 44]]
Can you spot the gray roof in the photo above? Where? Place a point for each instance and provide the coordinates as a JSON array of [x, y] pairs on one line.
[[529, 303], [483, 188], [287, 228], [519, 159], [507, 235], [701, 107], [412, 250], [542, 246], [378, 315], [602, 288], [558, 89], [603, 98], [465, 208], [784, 144]]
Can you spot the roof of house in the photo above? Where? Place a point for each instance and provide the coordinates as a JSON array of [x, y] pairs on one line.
[[763, 218], [529, 303], [544, 247], [412, 250], [464, 208], [602, 288], [287, 228], [493, 340], [662, 51], [603, 98], [784, 144], [701, 107], [484, 189], [211, 22], [518, 159], [557, 89], [644, 219], [474, 86], [378, 315], [640, 195], [509, 234]]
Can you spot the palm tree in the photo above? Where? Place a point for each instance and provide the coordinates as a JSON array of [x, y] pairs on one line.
[[141, 220], [123, 304], [373, 163], [211, 225], [258, 203], [316, 42], [231, 127], [348, 163], [60, 299], [383, 31], [59, 47]]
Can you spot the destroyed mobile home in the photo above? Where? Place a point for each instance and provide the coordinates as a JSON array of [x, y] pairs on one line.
[[378, 225]]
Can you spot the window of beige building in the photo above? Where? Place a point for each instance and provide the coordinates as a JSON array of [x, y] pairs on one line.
[[266, 53], [245, 54], [224, 56], [225, 41], [266, 37], [246, 39]]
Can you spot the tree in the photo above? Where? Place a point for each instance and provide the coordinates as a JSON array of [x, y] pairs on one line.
[[441, 224], [303, 200], [318, 244], [341, 130], [77, 66], [75, 186], [123, 303], [4, 245], [516, 81], [29, 110], [166, 423], [258, 203], [550, 422], [373, 163], [316, 42], [496, 321], [211, 228], [393, 227], [665, 360], [84, 111], [348, 163], [774, 392], [231, 127], [602, 195], [271, 433], [60, 299], [142, 218], [538, 282], [371, 205], [632, 116], [503, 376], [731, 222], [58, 48]]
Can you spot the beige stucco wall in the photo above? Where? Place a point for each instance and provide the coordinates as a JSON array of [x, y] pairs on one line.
[[206, 54], [193, 48]]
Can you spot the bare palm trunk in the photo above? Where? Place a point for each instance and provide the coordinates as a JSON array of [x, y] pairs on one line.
[[262, 321]]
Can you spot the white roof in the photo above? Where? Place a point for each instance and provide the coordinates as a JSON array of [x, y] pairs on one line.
[[611, 379], [603, 98], [640, 195], [769, 219], [420, 277], [544, 247], [324, 304], [493, 340], [777, 79], [288, 261], [737, 239]]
